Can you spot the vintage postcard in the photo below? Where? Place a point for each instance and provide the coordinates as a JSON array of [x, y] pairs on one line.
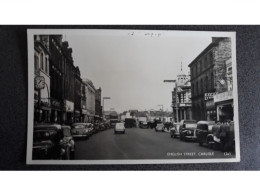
[[132, 97]]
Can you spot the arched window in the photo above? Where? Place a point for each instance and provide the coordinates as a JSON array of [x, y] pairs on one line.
[[36, 62], [206, 84], [212, 81], [42, 67], [197, 88], [46, 65], [201, 85]]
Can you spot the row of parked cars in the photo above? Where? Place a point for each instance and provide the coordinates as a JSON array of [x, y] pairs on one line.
[[54, 141], [214, 135]]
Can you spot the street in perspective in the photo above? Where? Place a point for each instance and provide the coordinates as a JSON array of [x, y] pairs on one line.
[[132, 95]]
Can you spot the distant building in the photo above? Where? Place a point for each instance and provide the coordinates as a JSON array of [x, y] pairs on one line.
[[78, 96], [98, 106], [208, 74], [182, 104], [91, 100]]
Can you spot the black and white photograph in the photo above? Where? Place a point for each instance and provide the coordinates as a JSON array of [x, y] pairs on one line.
[[132, 97]]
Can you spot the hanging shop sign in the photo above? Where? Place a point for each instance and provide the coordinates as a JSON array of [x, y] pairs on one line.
[[69, 106], [227, 95], [209, 96]]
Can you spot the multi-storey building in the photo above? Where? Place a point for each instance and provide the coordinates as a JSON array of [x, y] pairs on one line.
[[98, 106], [83, 102], [56, 74], [77, 94], [91, 100], [208, 72], [42, 103], [181, 99], [68, 84]]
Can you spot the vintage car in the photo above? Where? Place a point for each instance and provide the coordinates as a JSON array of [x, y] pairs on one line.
[[175, 130], [188, 131], [204, 132], [50, 142], [119, 128], [80, 130], [159, 127], [90, 127], [224, 137], [143, 125]]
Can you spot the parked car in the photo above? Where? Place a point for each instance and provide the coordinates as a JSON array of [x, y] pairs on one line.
[[224, 137], [143, 124], [80, 130], [175, 130], [188, 131], [68, 139], [168, 125], [90, 127], [204, 132], [159, 127], [50, 142], [119, 128]]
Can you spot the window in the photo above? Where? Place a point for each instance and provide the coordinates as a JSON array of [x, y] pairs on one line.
[[42, 67], [206, 62], [206, 84], [198, 71], [46, 65], [201, 85], [212, 81], [197, 88], [211, 58], [36, 62]]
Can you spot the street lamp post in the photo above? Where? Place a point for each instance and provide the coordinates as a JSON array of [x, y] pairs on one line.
[[103, 108], [176, 98]]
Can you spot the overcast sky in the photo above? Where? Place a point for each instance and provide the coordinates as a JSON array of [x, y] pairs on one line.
[[130, 66]]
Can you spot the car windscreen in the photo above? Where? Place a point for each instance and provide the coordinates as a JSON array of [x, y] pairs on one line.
[[81, 126], [202, 127], [191, 126], [43, 135]]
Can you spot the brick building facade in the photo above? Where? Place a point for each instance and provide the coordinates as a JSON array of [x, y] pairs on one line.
[[208, 72]]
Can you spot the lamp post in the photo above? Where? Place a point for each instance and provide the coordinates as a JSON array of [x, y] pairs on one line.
[[176, 98], [103, 108]]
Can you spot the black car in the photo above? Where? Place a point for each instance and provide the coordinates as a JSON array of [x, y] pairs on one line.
[[204, 132], [143, 125], [50, 142], [188, 131]]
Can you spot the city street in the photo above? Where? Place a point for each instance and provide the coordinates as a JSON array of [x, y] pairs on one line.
[[139, 143]]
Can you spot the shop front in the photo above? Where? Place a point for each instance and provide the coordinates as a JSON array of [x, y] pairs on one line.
[[77, 116], [211, 114], [211, 110], [225, 106], [56, 114], [42, 109]]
